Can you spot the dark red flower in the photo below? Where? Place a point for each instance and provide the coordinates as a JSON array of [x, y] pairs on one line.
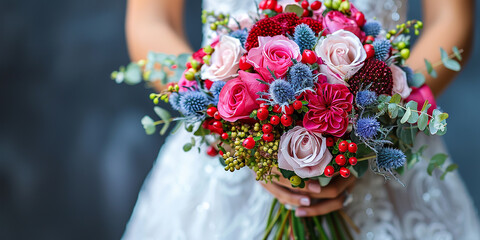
[[288, 21], [328, 109], [264, 27]]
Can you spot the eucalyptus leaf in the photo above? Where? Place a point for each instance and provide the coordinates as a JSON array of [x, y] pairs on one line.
[[437, 161], [393, 110], [187, 147], [442, 116], [452, 65], [133, 74], [396, 98], [164, 128], [148, 125], [418, 80], [324, 181], [457, 53], [452, 167], [422, 121], [413, 118], [162, 113], [406, 116], [430, 69], [201, 132]]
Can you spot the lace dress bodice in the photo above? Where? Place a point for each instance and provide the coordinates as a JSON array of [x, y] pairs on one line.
[[190, 196]]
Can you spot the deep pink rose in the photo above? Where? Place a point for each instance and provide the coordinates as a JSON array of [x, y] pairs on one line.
[[303, 152], [400, 85], [335, 20], [184, 84], [421, 94], [238, 97], [328, 109], [275, 54]]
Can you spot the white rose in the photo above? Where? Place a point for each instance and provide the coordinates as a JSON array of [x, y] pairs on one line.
[[400, 85], [342, 54], [224, 62]]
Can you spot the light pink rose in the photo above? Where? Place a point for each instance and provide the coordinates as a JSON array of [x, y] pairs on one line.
[[184, 84], [335, 20], [303, 152], [224, 62], [238, 97], [400, 85], [342, 54], [275, 54]]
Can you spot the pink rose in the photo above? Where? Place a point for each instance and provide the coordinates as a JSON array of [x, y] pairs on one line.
[[328, 109], [184, 84], [238, 97], [224, 61], [342, 54], [275, 54], [421, 94], [335, 20], [303, 152], [400, 85]]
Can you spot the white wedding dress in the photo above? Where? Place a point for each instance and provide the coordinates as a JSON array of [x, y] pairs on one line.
[[190, 195]]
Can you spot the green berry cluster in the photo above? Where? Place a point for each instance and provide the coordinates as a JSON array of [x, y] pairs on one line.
[[164, 96], [339, 5], [403, 45], [215, 20]]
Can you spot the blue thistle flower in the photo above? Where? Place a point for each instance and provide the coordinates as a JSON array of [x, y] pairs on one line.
[[367, 128], [300, 76], [240, 35], [409, 72], [192, 102], [281, 92], [390, 158], [215, 90], [174, 100], [382, 49], [304, 37], [366, 98], [372, 28]]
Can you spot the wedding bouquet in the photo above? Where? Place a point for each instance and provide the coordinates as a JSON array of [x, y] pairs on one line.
[[314, 90]]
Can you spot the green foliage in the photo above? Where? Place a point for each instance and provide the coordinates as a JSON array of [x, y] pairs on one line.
[[436, 162], [294, 8], [452, 167], [430, 69], [448, 62], [166, 118], [418, 80], [148, 125], [457, 54]]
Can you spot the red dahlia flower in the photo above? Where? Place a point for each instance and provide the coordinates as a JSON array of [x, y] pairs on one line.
[[329, 108]]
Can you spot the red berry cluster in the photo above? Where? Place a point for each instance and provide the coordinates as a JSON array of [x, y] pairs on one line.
[[214, 123], [346, 157], [308, 8], [276, 115], [270, 5]]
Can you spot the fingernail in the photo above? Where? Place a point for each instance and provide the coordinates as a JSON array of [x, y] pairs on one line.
[[300, 213], [305, 201], [314, 188]]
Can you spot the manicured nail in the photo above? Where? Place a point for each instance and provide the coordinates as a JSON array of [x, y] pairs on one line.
[[300, 213], [314, 188], [305, 201]]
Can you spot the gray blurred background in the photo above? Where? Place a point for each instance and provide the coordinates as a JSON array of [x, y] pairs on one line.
[[73, 154]]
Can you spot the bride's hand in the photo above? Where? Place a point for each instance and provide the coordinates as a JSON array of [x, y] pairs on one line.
[[312, 200]]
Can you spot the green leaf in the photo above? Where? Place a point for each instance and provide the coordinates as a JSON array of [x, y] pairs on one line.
[[422, 121], [201, 132], [393, 110], [324, 181], [418, 80], [430, 69], [133, 74], [189, 128], [163, 114], [452, 65], [442, 116], [406, 116], [361, 168], [286, 173], [452, 167], [443, 54], [164, 128], [294, 8], [425, 106], [396, 98], [413, 118], [437, 161], [148, 125], [457, 53], [187, 147]]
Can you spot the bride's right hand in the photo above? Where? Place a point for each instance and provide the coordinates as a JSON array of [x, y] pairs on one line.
[[312, 200]]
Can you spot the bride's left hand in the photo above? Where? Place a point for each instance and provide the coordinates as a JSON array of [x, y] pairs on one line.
[[322, 200]]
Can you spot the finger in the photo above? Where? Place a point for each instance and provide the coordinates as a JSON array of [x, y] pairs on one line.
[[321, 208], [285, 196], [336, 187]]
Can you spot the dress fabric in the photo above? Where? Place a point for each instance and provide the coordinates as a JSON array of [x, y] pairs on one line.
[[190, 195]]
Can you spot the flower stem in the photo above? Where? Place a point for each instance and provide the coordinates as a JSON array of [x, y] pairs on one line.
[[284, 222], [272, 223], [366, 158], [323, 235]]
